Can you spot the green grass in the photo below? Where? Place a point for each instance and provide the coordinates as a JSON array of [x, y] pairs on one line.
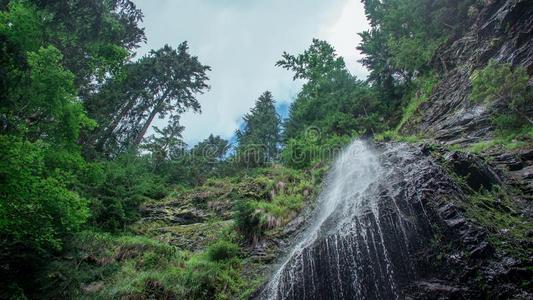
[[157, 261], [137, 266], [421, 91], [496, 211], [505, 140]]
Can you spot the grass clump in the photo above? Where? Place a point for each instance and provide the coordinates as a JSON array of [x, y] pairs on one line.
[[496, 211], [111, 267], [222, 250], [509, 141], [287, 190], [501, 83], [423, 88]]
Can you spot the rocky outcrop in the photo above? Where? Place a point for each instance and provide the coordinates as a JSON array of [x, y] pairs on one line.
[[502, 31], [419, 232]]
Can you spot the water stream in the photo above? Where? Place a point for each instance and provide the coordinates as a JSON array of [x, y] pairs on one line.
[[357, 243]]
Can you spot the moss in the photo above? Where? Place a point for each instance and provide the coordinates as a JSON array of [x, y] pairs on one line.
[[497, 212], [187, 237], [506, 140], [204, 260]]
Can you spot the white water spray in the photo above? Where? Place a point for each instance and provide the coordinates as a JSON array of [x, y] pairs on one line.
[[339, 215]]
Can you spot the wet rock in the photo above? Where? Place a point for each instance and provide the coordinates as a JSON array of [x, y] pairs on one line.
[[439, 251], [473, 170], [484, 250], [436, 289]]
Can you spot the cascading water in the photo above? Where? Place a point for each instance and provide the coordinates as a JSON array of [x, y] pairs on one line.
[[359, 242]]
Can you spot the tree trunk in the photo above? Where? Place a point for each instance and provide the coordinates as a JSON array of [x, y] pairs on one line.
[[109, 129], [155, 111], [146, 125]]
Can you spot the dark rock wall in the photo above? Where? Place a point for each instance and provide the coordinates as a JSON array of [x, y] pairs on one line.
[[420, 244], [503, 31]]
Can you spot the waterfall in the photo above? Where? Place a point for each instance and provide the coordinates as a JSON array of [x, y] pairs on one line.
[[356, 245]]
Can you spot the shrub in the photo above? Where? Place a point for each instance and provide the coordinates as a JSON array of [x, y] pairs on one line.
[[127, 183], [37, 213], [249, 220], [35, 209], [422, 89], [222, 250], [500, 82], [305, 151]]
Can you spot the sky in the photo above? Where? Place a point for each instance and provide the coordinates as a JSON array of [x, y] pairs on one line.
[[242, 40]]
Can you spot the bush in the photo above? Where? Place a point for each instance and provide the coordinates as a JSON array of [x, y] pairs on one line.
[[306, 151], [127, 183], [35, 209], [222, 250], [249, 220], [500, 82], [37, 213], [421, 90]]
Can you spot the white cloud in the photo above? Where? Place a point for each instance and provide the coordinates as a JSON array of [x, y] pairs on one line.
[[241, 41], [342, 34]]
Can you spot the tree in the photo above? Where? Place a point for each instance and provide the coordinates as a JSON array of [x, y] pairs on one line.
[[166, 143], [95, 36], [332, 101], [164, 83], [259, 137], [206, 159], [213, 148], [318, 62]]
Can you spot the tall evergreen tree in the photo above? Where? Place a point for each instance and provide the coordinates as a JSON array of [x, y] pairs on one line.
[[162, 84], [260, 136], [331, 100]]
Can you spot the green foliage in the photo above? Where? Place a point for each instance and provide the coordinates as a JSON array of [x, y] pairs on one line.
[[249, 220], [36, 210], [502, 83], [222, 250], [421, 88], [95, 37], [22, 24], [133, 266], [405, 34], [126, 182], [309, 150], [332, 100], [318, 62], [520, 139], [207, 159], [286, 192], [498, 81], [260, 136], [163, 84], [496, 211]]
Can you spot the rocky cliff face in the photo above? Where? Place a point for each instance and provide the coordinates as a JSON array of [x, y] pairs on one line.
[[502, 31], [426, 227]]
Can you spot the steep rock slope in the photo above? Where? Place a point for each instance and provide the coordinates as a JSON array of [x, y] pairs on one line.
[[503, 31], [420, 223]]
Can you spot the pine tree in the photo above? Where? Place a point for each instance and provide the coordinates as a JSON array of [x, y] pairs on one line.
[[260, 136]]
